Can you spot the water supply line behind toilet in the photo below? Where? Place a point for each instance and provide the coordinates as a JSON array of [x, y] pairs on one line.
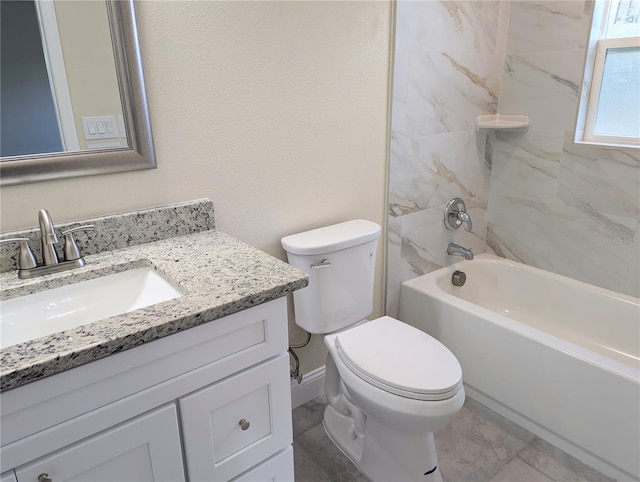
[[295, 373]]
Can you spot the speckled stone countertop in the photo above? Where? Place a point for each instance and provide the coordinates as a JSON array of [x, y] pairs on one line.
[[119, 230], [217, 274]]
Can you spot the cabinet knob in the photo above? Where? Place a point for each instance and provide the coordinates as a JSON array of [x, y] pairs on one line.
[[244, 425], [44, 478]]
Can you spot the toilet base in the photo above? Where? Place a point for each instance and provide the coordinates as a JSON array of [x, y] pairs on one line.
[[382, 453], [341, 431]]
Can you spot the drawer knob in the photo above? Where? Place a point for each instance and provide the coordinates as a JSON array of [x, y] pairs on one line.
[[44, 478], [244, 425]]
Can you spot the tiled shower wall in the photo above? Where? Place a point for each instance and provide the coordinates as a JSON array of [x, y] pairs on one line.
[[448, 67], [535, 197], [568, 208]]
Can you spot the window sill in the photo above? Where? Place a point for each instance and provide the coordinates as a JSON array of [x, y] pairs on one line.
[[603, 143]]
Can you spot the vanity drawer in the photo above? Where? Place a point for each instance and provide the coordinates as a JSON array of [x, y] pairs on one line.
[[278, 468], [232, 425]]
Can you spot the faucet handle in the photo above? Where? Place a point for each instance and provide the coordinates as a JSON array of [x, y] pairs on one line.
[[71, 250], [455, 213], [26, 259], [464, 217]]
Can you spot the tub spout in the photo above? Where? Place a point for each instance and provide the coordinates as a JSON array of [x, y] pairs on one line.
[[457, 250]]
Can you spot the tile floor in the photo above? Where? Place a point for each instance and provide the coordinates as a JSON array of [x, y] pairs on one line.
[[477, 446]]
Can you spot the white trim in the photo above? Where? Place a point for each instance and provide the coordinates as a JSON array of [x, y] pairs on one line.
[[592, 78], [610, 30], [598, 69], [54, 60], [312, 386], [598, 24]]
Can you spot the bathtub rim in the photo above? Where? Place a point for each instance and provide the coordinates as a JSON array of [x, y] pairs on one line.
[[491, 259], [428, 284]]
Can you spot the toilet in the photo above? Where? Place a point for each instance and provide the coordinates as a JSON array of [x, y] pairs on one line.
[[388, 385]]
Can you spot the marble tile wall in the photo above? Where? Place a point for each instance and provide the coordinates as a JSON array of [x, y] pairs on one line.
[[448, 67], [569, 208], [536, 197]]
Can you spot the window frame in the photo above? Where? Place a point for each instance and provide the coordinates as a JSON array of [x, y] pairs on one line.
[[604, 44], [598, 45]]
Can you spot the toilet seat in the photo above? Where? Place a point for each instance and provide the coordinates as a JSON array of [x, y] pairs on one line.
[[400, 359]]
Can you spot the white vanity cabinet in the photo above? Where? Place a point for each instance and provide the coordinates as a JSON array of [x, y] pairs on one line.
[[209, 403]]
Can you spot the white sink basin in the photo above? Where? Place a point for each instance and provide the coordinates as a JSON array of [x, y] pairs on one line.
[[52, 311]]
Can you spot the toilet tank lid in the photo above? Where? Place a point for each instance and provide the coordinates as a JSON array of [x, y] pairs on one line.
[[332, 238]]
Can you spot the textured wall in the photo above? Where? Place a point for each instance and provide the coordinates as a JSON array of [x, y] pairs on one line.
[[277, 111]]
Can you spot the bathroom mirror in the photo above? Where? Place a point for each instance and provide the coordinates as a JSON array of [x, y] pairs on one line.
[[133, 151]]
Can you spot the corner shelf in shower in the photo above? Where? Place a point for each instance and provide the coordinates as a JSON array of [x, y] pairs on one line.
[[499, 122]]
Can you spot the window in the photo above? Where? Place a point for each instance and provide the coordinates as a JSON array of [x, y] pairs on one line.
[[612, 111]]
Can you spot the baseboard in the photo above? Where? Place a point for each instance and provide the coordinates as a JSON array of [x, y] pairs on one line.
[[312, 386]]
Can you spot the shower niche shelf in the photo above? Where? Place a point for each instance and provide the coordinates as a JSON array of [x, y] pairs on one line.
[[499, 122]]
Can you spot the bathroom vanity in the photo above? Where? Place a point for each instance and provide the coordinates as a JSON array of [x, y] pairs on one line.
[[194, 388]]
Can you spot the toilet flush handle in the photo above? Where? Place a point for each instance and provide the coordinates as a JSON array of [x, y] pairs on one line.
[[325, 263]]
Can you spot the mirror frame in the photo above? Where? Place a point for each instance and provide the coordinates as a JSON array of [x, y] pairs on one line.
[[139, 155]]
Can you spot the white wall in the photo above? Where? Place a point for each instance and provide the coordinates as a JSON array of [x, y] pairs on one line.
[[277, 111]]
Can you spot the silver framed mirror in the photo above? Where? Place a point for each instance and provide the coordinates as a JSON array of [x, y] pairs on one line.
[[139, 154]]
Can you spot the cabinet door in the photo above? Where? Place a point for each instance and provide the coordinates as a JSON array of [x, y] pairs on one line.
[[278, 468], [235, 424], [8, 476], [146, 448]]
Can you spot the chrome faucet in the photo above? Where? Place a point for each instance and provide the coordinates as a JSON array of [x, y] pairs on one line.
[[457, 250], [27, 264], [48, 237]]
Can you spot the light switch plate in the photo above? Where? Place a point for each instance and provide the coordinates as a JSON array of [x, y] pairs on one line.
[[100, 127]]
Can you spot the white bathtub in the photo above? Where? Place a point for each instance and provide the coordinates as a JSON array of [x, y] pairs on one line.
[[557, 356]]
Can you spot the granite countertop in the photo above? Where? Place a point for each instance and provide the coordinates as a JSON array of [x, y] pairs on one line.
[[217, 274]]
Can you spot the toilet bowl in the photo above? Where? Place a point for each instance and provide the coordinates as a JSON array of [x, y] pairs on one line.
[[389, 386], [393, 403]]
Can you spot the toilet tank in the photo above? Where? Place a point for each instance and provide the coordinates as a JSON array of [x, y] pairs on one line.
[[340, 260]]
